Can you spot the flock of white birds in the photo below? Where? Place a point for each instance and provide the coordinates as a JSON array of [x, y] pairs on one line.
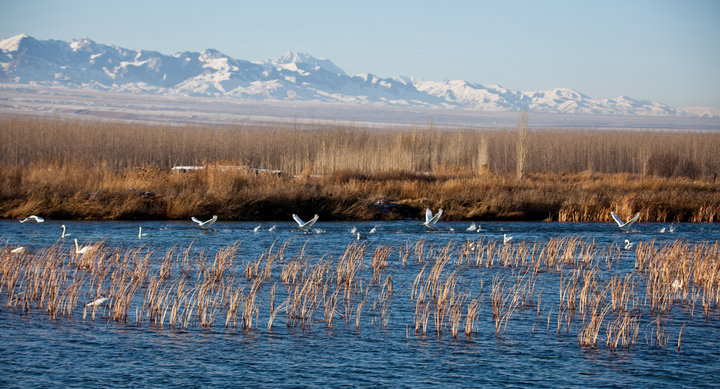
[[306, 226], [430, 223]]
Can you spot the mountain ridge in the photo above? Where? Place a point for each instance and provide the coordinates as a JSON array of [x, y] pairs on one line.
[[295, 76]]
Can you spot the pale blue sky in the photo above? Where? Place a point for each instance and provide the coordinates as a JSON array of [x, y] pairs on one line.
[[667, 51]]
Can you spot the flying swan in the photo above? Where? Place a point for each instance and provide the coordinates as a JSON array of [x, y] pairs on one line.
[[37, 219], [305, 225], [206, 223], [431, 219], [625, 224]]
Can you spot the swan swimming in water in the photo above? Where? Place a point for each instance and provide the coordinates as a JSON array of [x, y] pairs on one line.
[[271, 229], [507, 238], [670, 229], [63, 233], [18, 250], [256, 229], [430, 219], [35, 218], [628, 244], [99, 302], [626, 224], [206, 223], [373, 230], [140, 233], [83, 250], [305, 225], [677, 284], [472, 227]]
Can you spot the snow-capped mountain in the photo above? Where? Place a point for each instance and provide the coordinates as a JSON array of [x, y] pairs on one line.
[[294, 76]]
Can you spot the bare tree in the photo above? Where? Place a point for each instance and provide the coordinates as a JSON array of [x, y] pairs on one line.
[[521, 156]]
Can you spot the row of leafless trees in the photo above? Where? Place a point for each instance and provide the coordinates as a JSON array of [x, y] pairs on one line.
[[322, 149]]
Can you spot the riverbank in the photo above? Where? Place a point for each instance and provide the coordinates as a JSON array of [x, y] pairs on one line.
[[96, 192]]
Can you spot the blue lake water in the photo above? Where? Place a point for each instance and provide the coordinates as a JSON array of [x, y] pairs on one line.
[[36, 350]]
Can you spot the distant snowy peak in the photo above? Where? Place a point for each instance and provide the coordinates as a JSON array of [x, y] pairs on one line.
[[300, 58], [83, 63], [12, 43]]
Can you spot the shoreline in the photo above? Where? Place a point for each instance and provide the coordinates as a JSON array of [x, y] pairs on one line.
[[77, 193]]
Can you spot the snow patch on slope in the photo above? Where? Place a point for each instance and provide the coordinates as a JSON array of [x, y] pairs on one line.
[[295, 76]]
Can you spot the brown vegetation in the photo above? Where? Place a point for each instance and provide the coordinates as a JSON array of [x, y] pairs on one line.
[[188, 289], [100, 170]]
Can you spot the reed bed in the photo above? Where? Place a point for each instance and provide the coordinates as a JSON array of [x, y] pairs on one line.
[[107, 170], [472, 287], [327, 149], [75, 190]]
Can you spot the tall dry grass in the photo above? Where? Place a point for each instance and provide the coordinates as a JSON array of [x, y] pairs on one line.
[[324, 149], [438, 291], [104, 170], [76, 190]]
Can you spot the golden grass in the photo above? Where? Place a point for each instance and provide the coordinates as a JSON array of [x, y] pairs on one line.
[[107, 170], [188, 289], [76, 190], [326, 149]]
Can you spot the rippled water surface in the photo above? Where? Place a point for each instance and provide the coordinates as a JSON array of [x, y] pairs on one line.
[[36, 350]]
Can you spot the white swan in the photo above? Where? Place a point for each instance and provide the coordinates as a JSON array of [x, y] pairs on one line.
[[353, 230], [628, 244], [430, 219], [472, 227], [373, 230], [206, 223], [677, 284], [37, 219], [271, 229], [507, 239], [140, 233], [670, 229], [99, 302], [83, 250], [305, 225], [18, 250], [63, 233], [626, 224], [256, 229]]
